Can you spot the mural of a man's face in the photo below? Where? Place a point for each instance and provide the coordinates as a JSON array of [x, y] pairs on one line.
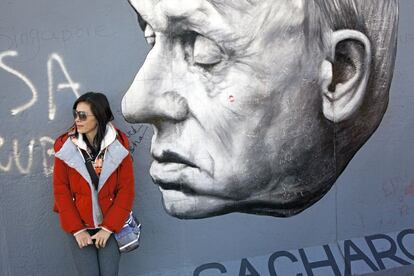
[[243, 104]]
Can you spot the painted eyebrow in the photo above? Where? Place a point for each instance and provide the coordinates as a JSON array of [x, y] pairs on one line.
[[199, 25], [208, 23]]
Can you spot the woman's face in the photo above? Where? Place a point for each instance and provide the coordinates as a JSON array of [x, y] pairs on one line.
[[85, 121]]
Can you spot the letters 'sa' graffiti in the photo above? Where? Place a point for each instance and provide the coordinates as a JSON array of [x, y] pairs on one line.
[[24, 162]]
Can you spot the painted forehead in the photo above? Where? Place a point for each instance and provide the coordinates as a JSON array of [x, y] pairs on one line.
[[158, 13]]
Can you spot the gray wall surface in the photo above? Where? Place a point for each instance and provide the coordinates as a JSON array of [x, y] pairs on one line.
[[53, 51]]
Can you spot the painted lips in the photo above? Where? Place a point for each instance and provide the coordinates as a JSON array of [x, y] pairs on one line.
[[173, 171], [172, 157]]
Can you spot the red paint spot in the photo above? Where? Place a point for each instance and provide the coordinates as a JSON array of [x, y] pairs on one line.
[[231, 98], [409, 190]]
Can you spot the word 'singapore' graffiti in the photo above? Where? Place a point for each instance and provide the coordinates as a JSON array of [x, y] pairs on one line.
[[15, 156], [32, 39], [17, 151]]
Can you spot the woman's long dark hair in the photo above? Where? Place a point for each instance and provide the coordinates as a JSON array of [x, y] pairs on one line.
[[100, 109]]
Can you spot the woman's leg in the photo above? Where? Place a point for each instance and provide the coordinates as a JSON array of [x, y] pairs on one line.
[[86, 259], [109, 257]]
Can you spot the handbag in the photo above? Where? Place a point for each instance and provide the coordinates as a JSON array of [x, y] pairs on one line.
[[129, 236]]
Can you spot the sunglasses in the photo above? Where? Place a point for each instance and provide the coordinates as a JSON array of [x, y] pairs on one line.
[[81, 114]]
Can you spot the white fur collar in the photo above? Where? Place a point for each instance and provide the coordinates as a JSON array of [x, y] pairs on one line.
[[110, 137]]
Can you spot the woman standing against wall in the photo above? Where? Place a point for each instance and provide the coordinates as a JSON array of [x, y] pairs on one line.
[[93, 185]]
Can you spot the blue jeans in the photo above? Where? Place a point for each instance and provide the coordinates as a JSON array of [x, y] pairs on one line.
[[91, 261]]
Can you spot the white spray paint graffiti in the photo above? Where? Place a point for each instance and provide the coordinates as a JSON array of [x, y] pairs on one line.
[[29, 84], [9, 163], [15, 157], [61, 86], [46, 143], [47, 153], [70, 84]]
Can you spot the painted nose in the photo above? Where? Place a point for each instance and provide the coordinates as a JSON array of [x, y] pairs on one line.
[[153, 95]]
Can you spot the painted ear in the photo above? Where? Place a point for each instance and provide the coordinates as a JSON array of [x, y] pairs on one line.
[[344, 80]]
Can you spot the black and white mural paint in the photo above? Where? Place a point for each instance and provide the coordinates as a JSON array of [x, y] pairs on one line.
[[244, 111], [258, 106]]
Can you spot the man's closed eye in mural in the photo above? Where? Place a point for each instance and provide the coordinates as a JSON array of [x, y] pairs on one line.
[[258, 106]]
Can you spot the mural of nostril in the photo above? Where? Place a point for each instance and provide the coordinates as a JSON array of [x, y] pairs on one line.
[[173, 106]]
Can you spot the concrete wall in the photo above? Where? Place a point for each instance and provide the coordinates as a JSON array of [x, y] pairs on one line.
[[53, 51]]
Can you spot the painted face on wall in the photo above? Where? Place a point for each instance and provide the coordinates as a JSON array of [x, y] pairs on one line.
[[233, 90]]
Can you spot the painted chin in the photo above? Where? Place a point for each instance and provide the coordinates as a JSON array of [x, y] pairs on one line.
[[190, 206]]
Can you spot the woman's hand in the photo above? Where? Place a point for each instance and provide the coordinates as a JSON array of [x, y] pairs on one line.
[[101, 238], [83, 239]]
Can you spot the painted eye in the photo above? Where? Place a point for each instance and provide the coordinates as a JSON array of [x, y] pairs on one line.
[[206, 52], [149, 35]]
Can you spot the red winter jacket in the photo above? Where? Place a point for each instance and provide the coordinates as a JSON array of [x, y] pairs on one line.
[[79, 205]]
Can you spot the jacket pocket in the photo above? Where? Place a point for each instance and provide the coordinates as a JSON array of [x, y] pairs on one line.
[[105, 203], [82, 203]]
